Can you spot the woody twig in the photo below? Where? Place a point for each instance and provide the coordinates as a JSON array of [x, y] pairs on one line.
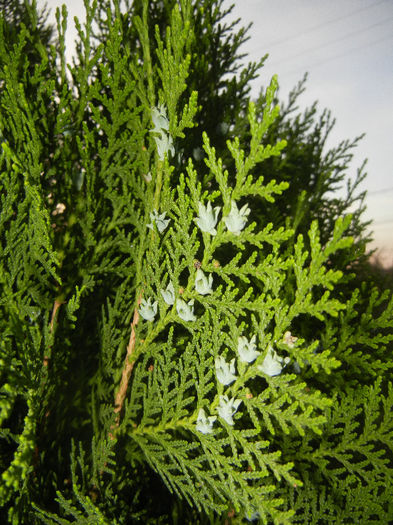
[[127, 368]]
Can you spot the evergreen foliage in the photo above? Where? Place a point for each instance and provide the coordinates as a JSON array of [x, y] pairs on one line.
[[223, 85], [183, 340]]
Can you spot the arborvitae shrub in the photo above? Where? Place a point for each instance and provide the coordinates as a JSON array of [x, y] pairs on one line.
[[171, 353]]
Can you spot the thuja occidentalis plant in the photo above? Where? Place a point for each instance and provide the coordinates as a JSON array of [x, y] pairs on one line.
[[167, 354]]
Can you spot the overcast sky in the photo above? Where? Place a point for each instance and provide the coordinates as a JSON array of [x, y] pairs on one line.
[[346, 46]]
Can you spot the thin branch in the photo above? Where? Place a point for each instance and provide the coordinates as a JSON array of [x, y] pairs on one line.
[[56, 306], [127, 368]]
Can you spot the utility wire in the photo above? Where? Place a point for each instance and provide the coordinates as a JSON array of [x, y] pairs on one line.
[[326, 44], [375, 192], [336, 57], [319, 26], [321, 62]]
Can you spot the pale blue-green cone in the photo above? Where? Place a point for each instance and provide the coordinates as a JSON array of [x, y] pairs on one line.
[[185, 310], [164, 141], [164, 145], [273, 364], [225, 372], [236, 220], [160, 119], [203, 284], [228, 408], [159, 221], [247, 349], [147, 310], [169, 294], [205, 424], [207, 219]]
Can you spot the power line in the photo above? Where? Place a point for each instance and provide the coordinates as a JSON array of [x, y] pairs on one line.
[[319, 26], [326, 44], [375, 192], [336, 57]]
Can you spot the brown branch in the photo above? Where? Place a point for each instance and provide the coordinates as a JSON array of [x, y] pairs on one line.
[[127, 368], [56, 306]]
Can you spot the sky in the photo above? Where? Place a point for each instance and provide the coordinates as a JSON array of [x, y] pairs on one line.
[[346, 47]]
